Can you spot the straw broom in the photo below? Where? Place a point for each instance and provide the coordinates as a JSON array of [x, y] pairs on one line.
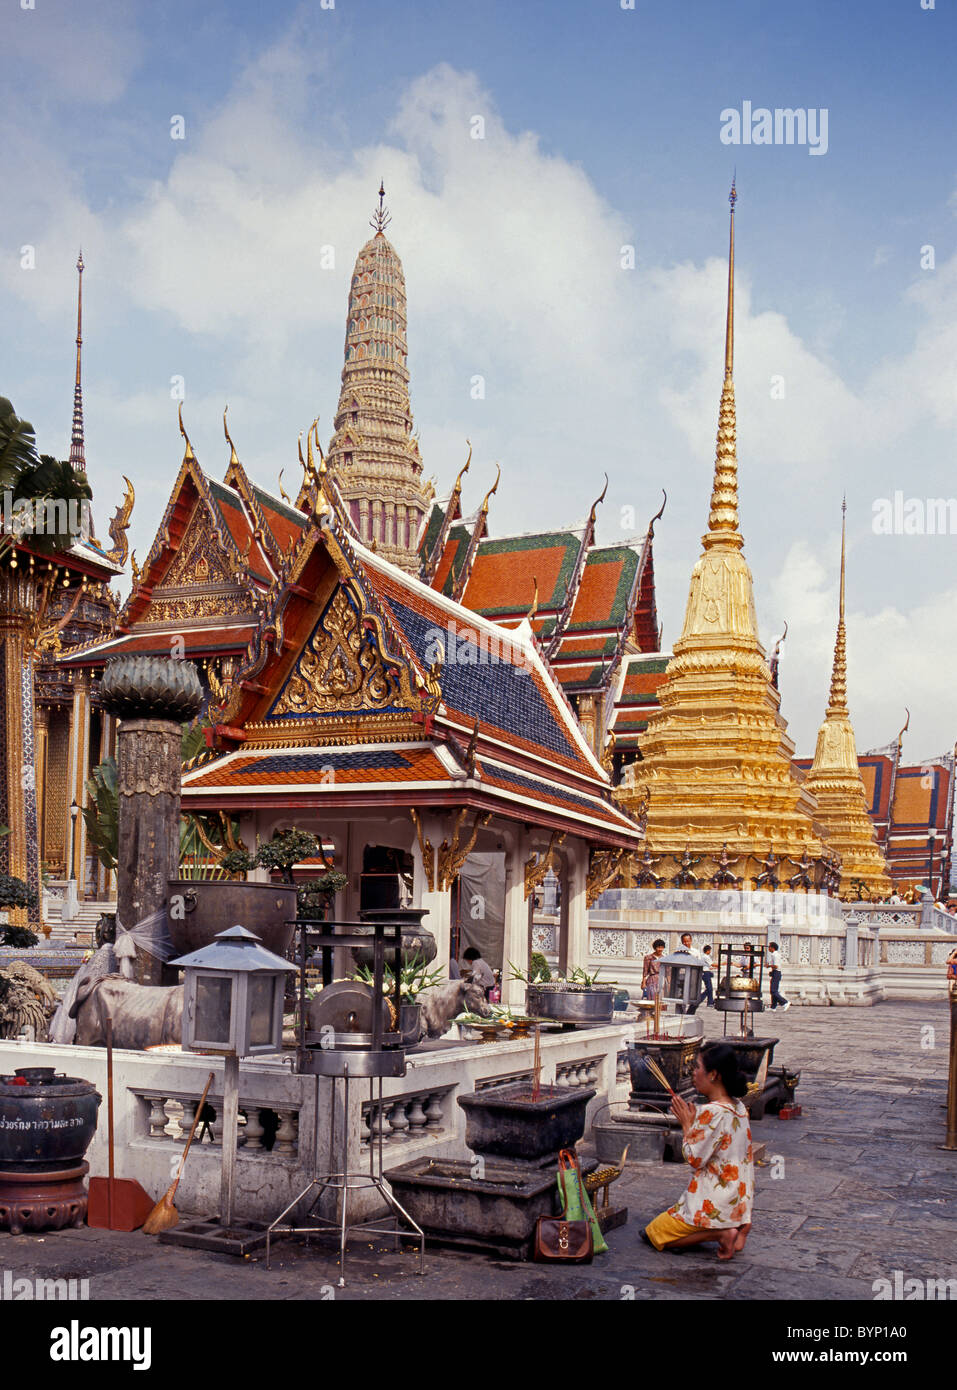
[[164, 1214]]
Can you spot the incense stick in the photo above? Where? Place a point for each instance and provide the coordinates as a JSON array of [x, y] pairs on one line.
[[537, 1064], [659, 1076]]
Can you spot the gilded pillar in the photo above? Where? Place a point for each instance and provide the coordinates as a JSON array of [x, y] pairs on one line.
[[77, 773], [20, 849]]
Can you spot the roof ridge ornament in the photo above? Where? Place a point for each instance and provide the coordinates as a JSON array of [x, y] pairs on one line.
[[233, 456], [182, 429]]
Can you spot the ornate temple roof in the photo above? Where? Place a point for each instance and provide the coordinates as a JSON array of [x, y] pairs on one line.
[[364, 683]]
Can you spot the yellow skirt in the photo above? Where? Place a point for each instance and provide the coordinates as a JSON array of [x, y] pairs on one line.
[[666, 1229]]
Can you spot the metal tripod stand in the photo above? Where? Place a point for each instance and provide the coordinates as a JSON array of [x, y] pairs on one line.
[[345, 1182]]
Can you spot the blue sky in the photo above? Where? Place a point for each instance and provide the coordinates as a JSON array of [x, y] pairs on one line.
[[602, 130]]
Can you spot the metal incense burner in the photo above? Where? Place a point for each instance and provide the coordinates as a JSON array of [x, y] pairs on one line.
[[349, 1029], [740, 977]]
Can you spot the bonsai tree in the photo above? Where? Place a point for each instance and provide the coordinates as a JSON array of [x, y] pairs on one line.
[[287, 848], [315, 896]]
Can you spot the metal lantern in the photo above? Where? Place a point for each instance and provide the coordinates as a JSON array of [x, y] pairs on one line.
[[740, 978], [233, 996], [679, 980]]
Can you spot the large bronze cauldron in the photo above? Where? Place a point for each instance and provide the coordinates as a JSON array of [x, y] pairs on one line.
[[211, 905]]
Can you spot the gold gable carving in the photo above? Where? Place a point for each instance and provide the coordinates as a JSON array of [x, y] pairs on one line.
[[342, 669], [198, 584]]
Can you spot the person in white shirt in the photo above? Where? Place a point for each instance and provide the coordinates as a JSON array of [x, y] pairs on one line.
[[698, 958], [774, 961]]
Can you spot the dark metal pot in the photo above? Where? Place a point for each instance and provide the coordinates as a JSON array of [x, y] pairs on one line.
[[505, 1122], [750, 1052], [595, 1005], [675, 1057], [410, 1023], [46, 1124], [211, 905], [416, 939]]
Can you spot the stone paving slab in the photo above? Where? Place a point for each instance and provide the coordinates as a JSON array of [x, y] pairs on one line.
[[865, 1191]]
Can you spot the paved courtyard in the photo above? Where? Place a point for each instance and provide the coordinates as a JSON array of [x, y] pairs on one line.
[[859, 1189]]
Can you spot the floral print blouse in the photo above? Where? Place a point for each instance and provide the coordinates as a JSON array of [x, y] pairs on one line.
[[719, 1153]]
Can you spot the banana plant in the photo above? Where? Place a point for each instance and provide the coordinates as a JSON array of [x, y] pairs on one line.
[[102, 815]]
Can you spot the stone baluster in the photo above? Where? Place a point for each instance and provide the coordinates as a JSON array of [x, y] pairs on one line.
[[434, 1111], [254, 1129], [189, 1105], [399, 1122], [365, 1128], [287, 1133], [216, 1126], [379, 1124], [416, 1115], [158, 1117]]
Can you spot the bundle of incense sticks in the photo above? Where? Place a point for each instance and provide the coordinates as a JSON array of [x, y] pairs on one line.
[[659, 1075]]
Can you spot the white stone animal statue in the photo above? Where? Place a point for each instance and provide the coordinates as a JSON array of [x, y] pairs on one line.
[[143, 1015], [442, 1003]]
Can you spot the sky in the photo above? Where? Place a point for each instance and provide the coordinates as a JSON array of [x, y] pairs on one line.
[[525, 146]]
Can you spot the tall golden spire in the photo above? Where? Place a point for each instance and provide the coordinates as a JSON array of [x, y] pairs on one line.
[[837, 701], [723, 517], [716, 756], [835, 775]]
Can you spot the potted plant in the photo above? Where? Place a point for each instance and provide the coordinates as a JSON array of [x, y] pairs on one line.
[[414, 977], [575, 998]]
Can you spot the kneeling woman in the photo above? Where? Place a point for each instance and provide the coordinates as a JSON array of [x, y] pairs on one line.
[[716, 1205]]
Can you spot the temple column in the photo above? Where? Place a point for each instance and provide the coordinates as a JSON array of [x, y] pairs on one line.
[[43, 744], [516, 917], [576, 932], [427, 891], [76, 779], [21, 848], [149, 771]]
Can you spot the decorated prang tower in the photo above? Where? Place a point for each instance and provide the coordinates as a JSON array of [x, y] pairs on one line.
[[373, 455]]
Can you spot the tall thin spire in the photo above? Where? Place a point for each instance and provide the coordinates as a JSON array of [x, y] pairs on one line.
[[77, 453], [837, 702], [723, 517], [381, 217]]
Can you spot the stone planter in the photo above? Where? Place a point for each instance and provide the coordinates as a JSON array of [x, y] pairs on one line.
[[212, 905], [496, 1213], [503, 1122], [571, 1003], [416, 939]]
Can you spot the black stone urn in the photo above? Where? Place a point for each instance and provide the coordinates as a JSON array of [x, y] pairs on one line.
[[416, 939], [46, 1124], [751, 1052], [504, 1122]]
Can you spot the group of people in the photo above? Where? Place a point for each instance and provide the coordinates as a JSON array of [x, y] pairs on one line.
[[651, 967]]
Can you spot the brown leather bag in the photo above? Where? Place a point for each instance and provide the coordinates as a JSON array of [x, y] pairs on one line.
[[560, 1241]]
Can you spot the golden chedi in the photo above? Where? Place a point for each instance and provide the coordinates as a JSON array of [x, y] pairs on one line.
[[835, 781], [716, 757]]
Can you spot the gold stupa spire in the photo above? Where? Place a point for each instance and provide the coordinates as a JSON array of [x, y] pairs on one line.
[[716, 756], [835, 776]]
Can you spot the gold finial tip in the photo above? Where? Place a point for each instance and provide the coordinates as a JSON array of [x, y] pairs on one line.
[[733, 195], [79, 261]]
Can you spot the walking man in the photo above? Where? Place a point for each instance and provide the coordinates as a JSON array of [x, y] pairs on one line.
[[707, 978], [774, 960]]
